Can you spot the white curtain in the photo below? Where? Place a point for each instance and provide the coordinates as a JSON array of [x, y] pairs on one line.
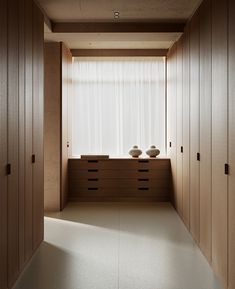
[[117, 103]]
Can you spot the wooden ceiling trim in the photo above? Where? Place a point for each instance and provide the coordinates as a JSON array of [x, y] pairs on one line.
[[119, 52], [120, 27]]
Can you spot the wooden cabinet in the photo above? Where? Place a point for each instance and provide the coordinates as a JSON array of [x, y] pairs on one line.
[[219, 139], [117, 179], [205, 128], [194, 127], [231, 149], [18, 124]]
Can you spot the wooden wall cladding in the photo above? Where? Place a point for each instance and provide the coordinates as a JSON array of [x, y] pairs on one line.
[[205, 128], [208, 89], [231, 183], [58, 63], [3, 143], [219, 138], [186, 130], [194, 126], [119, 179], [18, 214]]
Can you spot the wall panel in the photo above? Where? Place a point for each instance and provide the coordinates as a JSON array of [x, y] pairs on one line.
[[21, 132], [179, 124], [38, 164], [13, 135], [194, 126], [186, 128], [28, 210], [219, 139], [3, 144], [231, 198], [205, 128]]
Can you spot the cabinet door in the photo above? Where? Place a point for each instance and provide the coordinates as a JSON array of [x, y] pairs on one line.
[[194, 126], [38, 166], [186, 93], [28, 210], [3, 144], [219, 139], [205, 128], [231, 209], [13, 137], [179, 129]]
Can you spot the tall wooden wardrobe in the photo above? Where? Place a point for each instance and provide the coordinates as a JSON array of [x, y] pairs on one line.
[[206, 199], [21, 136]]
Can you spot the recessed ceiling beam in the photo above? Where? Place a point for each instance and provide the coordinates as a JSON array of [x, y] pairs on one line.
[[117, 27], [118, 52]]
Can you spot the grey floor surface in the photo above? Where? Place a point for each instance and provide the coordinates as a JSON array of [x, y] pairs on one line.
[[117, 246]]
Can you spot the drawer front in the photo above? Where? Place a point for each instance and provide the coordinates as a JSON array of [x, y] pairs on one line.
[[118, 174], [119, 164]]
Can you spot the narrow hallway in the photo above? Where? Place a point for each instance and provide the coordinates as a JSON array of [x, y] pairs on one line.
[[117, 246]]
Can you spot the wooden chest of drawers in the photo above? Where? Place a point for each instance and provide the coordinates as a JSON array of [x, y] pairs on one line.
[[119, 179]]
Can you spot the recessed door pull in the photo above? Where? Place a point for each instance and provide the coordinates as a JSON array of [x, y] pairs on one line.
[[198, 157], [181, 149], [33, 159], [8, 169], [170, 144], [226, 169]]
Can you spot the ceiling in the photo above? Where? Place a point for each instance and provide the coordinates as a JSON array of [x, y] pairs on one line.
[[103, 11]]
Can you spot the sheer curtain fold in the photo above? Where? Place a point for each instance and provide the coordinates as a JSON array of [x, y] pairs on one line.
[[117, 103]]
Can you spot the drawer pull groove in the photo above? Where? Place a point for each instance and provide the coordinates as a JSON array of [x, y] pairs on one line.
[[92, 180], [143, 189], [143, 170], [143, 161], [92, 161], [143, 180], [92, 170], [92, 189]]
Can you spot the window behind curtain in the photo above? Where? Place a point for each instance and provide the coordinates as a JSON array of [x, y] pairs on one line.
[[117, 103]]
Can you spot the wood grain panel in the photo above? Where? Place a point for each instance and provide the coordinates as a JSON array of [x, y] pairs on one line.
[[194, 128], [38, 172], [231, 198], [28, 211], [3, 144], [205, 128], [13, 136], [21, 132], [52, 133], [186, 129], [219, 139], [66, 91], [179, 124]]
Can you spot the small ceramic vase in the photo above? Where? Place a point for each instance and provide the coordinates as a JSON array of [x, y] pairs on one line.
[[135, 152], [153, 152]]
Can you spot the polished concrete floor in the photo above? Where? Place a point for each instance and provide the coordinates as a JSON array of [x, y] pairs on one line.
[[117, 246]]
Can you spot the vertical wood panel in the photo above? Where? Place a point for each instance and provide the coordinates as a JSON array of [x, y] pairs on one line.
[[205, 128], [52, 133], [219, 139], [21, 133], [66, 82], [38, 172], [186, 128], [3, 144], [28, 212], [194, 126], [231, 199], [13, 133], [179, 123]]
